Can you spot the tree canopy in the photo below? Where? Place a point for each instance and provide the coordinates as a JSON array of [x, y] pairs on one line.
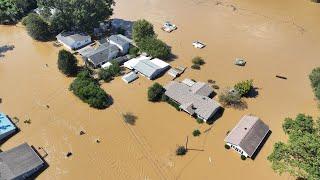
[[142, 29], [13, 10], [67, 63], [78, 15], [315, 81], [37, 27], [155, 48], [155, 92], [244, 87], [88, 90], [300, 156]]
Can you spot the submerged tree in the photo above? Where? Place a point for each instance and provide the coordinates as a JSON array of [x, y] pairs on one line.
[[67, 63], [76, 14], [37, 27], [300, 156], [155, 92], [142, 29]]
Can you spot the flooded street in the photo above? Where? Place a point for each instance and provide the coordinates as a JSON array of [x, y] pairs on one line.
[[276, 38]]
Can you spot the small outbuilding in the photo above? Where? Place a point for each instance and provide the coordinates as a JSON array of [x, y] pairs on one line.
[[20, 162], [128, 78], [7, 128], [72, 40], [247, 136]]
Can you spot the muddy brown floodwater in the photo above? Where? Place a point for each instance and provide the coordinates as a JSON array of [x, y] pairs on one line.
[[275, 37]]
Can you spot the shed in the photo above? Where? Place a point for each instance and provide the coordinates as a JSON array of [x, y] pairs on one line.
[[128, 78]]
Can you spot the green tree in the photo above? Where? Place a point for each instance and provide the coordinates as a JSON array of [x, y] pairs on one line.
[[67, 63], [37, 28], [9, 13], [88, 90], [315, 81], [244, 87], [155, 92], [112, 71], [300, 156], [155, 47], [142, 29], [105, 75], [77, 14]]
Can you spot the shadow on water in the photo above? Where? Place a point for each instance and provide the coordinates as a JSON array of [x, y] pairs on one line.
[[261, 145], [217, 116], [5, 48]]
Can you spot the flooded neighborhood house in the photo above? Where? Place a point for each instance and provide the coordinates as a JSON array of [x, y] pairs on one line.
[[247, 136], [193, 98], [73, 41], [20, 162]]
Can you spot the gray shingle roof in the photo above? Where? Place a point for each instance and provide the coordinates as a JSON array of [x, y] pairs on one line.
[[101, 54], [190, 100], [119, 40], [69, 38], [248, 134], [18, 161]]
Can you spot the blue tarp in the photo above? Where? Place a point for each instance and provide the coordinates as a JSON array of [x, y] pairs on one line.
[[5, 124]]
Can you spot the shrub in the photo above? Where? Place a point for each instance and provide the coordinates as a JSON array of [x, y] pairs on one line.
[[195, 66], [87, 89], [200, 121], [211, 81], [114, 68], [231, 98], [244, 87], [227, 146], [37, 28], [196, 132], [181, 150], [171, 102], [134, 51], [67, 63], [214, 86], [142, 29], [243, 157], [315, 81], [198, 61], [129, 118], [155, 48], [155, 92], [105, 75]]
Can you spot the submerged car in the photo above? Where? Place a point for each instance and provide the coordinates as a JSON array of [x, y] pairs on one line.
[[169, 27], [240, 62], [198, 44]]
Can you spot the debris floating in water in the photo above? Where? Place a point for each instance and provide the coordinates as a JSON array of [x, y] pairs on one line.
[[281, 77], [82, 133], [69, 154]]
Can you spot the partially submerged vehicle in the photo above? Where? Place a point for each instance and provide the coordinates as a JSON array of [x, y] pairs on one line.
[[240, 62], [168, 27], [198, 44]]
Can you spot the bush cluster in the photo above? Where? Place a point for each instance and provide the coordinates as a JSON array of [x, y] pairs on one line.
[[67, 63], [88, 90], [155, 92], [196, 132], [197, 62], [11, 11], [181, 150], [37, 27], [315, 81], [109, 73], [244, 87]]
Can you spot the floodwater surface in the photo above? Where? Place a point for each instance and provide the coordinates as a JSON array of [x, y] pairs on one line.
[[275, 37]]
